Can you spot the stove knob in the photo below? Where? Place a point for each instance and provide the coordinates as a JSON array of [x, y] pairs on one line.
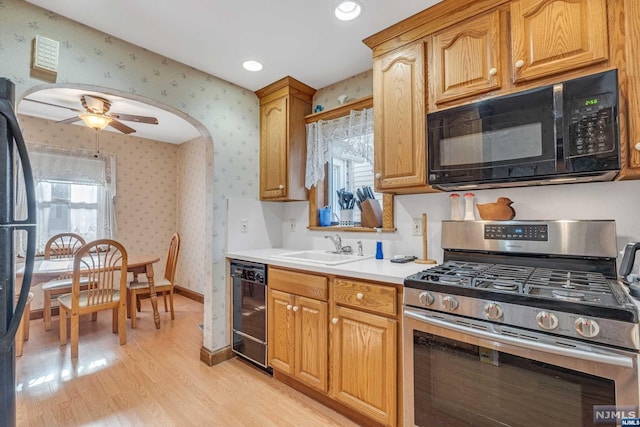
[[586, 327], [450, 303], [426, 298], [546, 320], [493, 311]]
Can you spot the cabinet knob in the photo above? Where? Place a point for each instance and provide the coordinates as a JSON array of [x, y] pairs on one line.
[[359, 295], [289, 306], [378, 175], [493, 71], [295, 308], [281, 187], [637, 146], [335, 320], [519, 63]]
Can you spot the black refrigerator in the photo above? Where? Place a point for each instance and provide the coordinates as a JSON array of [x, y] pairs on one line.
[[14, 170]]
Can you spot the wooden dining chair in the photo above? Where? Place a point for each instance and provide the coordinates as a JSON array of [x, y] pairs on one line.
[[104, 263], [164, 285], [63, 245]]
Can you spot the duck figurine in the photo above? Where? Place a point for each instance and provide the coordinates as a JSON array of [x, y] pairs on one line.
[[501, 210]]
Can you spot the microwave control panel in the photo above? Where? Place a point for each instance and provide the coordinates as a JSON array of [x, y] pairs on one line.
[[591, 127]]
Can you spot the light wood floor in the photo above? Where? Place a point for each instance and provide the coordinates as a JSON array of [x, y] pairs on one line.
[[155, 379]]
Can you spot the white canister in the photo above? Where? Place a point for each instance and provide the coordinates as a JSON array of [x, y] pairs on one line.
[[469, 214], [455, 207]]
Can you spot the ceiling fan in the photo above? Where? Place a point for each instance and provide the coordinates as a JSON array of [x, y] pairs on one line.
[[98, 116]]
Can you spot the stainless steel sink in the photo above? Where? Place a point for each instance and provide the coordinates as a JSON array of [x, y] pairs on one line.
[[322, 257]]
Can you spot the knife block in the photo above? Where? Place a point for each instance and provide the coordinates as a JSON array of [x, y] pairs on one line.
[[371, 215]]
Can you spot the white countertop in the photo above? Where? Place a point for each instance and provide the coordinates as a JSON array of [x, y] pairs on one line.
[[382, 270]]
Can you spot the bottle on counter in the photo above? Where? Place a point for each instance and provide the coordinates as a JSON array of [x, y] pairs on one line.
[[379, 254], [469, 214]]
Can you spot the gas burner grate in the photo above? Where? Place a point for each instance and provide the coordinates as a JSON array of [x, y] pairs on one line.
[[570, 280], [457, 273], [501, 277]]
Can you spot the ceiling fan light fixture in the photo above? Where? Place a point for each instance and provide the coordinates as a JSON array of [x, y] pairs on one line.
[[252, 65], [95, 121], [347, 10]]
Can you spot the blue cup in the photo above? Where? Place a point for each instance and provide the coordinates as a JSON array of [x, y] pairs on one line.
[[325, 217]]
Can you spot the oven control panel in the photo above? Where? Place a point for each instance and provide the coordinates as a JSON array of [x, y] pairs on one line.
[[531, 232]]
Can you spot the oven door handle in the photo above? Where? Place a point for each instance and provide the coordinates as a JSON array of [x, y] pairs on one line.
[[609, 359]]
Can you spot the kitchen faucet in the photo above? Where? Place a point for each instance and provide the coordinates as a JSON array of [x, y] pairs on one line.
[[337, 242]]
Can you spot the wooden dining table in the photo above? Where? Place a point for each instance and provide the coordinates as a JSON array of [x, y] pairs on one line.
[[48, 269]]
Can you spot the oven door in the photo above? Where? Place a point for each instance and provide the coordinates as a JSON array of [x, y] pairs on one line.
[[460, 372]]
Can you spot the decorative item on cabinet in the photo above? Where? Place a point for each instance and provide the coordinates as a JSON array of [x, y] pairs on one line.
[[283, 145], [501, 210]]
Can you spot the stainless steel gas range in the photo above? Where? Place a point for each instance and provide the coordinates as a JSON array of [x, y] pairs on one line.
[[523, 321]]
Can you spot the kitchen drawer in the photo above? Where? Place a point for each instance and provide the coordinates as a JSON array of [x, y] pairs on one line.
[[376, 298], [297, 283]]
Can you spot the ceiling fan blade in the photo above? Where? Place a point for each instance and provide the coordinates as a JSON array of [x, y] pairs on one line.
[[68, 121], [133, 118], [53, 105], [121, 127]]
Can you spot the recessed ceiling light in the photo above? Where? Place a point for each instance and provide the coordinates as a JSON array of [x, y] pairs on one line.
[[347, 10], [252, 65]]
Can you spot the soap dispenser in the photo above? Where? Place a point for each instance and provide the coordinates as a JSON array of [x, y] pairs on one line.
[[379, 254]]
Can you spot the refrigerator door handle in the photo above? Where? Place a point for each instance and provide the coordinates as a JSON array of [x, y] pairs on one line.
[[28, 225]]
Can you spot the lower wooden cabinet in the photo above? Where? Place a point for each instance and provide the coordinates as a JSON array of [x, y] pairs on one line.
[[307, 312], [297, 326], [364, 366]]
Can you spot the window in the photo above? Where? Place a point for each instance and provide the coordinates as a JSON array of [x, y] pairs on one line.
[[74, 193], [340, 156]]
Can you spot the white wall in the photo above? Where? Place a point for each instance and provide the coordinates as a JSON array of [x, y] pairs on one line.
[[619, 201]]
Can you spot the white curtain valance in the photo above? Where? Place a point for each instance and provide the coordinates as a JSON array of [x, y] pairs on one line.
[[348, 137], [55, 164]]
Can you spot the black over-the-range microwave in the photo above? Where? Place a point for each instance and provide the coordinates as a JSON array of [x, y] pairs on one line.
[[566, 132]]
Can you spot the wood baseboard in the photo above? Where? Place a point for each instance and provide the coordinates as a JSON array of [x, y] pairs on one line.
[[39, 313], [213, 358], [325, 400], [189, 294]]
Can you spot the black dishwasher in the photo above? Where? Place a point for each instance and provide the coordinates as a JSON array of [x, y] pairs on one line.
[[249, 321]]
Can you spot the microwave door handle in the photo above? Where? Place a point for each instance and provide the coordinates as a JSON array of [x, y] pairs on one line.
[[558, 114], [609, 358]]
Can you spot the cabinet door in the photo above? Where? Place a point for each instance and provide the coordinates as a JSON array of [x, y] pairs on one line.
[[631, 153], [465, 59], [311, 354], [399, 118], [281, 331], [273, 148], [553, 36], [364, 363]]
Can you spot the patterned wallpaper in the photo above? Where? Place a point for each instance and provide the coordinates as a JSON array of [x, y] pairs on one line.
[[146, 173], [227, 115], [191, 213], [355, 87]]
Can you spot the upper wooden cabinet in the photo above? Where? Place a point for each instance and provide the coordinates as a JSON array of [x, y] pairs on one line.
[[630, 153], [399, 120], [555, 36], [466, 59], [283, 144]]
